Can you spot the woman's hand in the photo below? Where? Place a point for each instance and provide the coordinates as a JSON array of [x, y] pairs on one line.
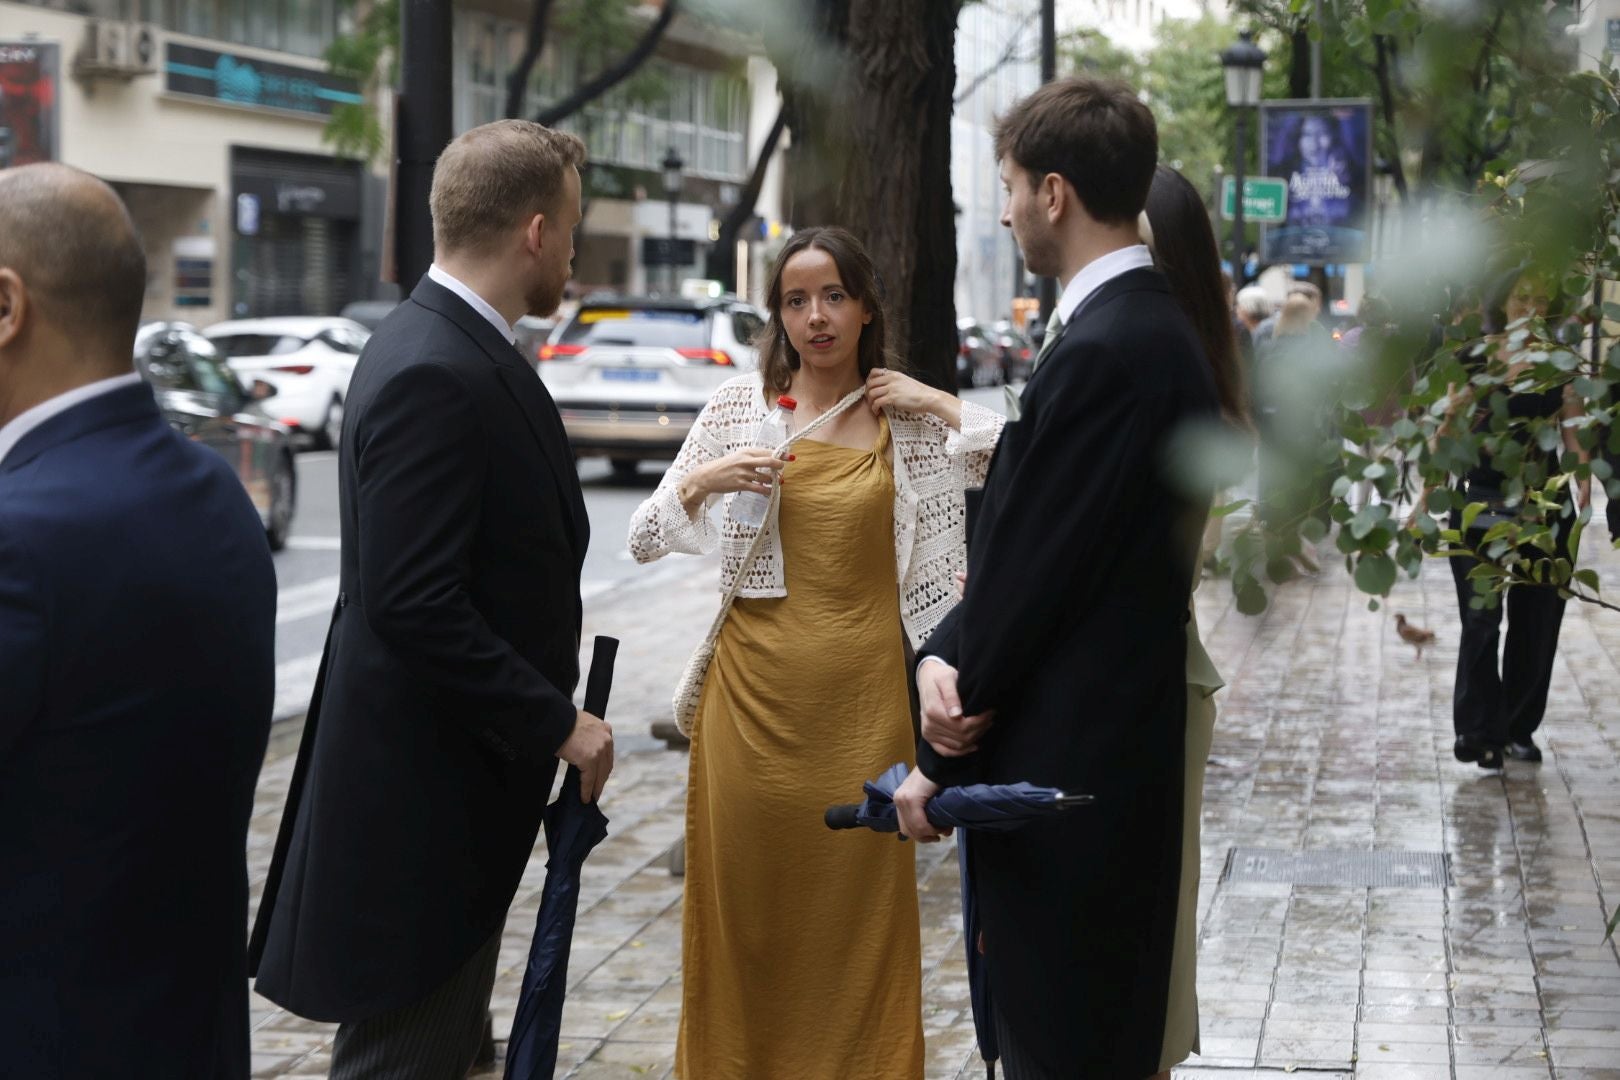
[[887, 389], [739, 471]]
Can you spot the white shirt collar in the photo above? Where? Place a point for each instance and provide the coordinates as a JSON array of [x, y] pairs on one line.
[[1098, 272], [476, 302], [29, 419]]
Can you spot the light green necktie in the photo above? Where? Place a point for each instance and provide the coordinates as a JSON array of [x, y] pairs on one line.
[[1054, 326]]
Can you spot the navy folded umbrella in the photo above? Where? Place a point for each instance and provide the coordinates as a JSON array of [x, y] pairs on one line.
[[995, 807], [991, 807], [572, 828]]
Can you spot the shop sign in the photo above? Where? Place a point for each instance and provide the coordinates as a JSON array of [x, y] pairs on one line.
[[30, 88], [254, 83]]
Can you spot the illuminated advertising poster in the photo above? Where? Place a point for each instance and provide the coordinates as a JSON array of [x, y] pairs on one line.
[[29, 74], [1323, 150]]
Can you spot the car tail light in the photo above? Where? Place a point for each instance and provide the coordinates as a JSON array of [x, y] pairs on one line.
[[963, 350], [296, 369], [1023, 353], [559, 352], [707, 356], [292, 422]]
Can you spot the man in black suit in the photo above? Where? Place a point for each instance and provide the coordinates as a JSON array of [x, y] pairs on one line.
[[445, 695], [1065, 662], [137, 672]]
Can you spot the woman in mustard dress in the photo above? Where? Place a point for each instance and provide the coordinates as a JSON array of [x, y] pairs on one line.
[[801, 952]]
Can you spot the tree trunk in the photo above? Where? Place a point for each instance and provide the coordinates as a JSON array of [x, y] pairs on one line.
[[868, 99], [722, 260], [585, 93], [517, 80], [933, 288], [1299, 62]]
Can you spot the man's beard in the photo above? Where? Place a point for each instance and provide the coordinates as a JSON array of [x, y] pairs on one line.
[[545, 297], [1040, 251]]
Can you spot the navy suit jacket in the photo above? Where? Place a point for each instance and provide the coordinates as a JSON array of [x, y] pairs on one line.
[[137, 622]]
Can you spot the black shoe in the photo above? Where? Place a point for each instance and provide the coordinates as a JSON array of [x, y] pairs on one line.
[[1483, 754], [1523, 751]]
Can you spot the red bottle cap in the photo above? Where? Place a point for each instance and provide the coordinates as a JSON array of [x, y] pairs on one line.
[[787, 403]]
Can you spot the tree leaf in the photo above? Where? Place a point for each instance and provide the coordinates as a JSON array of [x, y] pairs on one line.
[[1375, 573]]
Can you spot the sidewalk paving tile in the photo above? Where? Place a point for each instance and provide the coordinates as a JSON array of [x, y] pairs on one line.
[[1332, 736]]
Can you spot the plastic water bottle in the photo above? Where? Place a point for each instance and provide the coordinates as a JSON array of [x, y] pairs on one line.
[[748, 507]]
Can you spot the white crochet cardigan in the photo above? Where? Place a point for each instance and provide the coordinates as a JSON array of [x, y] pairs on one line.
[[933, 464]]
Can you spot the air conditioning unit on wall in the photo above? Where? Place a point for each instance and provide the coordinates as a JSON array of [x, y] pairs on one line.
[[116, 49]]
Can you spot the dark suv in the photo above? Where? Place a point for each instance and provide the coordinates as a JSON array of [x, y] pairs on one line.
[[202, 398]]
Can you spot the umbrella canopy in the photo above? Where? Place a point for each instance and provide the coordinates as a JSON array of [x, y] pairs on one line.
[[992, 807], [572, 829]]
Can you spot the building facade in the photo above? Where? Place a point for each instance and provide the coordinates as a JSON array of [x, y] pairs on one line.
[[207, 116], [694, 96], [997, 62]]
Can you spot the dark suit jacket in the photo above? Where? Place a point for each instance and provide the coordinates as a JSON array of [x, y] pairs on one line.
[[446, 686], [1072, 630], [137, 671]]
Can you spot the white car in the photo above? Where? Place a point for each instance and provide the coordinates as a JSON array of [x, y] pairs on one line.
[[629, 375], [309, 361]]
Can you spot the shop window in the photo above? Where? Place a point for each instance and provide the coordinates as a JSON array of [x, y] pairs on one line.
[[303, 27]]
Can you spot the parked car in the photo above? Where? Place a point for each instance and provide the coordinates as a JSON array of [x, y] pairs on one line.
[[978, 359], [309, 361], [368, 313], [1017, 352], [532, 333], [202, 398], [630, 374]]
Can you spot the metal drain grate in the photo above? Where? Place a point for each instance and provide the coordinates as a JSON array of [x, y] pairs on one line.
[[1352, 869]]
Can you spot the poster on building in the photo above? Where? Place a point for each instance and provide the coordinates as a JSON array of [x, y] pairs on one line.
[[29, 73], [1323, 149]]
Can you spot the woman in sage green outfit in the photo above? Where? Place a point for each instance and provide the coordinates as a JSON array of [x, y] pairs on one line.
[[1177, 229]]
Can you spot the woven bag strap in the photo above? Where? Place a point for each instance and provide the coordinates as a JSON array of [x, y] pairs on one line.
[[776, 494]]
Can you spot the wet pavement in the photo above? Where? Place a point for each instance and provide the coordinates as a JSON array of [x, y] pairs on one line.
[[1332, 736]]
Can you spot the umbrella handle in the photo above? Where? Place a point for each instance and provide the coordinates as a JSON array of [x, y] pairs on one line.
[[600, 681], [843, 816]]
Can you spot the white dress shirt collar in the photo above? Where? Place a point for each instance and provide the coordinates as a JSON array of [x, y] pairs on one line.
[[29, 419], [476, 302], [1098, 272]]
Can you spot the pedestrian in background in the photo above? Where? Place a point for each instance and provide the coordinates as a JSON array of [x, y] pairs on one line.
[[1297, 372], [1251, 307], [445, 695], [1179, 233], [1498, 704], [1313, 297], [1065, 663], [806, 694], [137, 671]]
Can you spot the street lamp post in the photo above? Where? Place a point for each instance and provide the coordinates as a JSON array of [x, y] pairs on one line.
[[1243, 62], [673, 166]]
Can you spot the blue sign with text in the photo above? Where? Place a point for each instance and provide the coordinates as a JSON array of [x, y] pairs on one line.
[[255, 83]]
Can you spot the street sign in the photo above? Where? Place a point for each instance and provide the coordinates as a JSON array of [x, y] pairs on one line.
[[1265, 200], [664, 251]]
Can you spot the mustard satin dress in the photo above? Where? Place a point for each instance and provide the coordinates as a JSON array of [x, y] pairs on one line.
[[801, 954]]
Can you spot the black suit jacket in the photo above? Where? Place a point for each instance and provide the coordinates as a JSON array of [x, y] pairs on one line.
[[137, 670], [450, 664], [1073, 630]]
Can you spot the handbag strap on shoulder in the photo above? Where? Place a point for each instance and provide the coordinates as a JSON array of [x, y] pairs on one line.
[[758, 545]]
